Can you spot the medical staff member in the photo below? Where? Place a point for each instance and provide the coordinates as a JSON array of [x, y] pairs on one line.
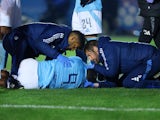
[[31, 40], [137, 62]]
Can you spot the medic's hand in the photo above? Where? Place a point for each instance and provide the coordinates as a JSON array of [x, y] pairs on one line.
[[88, 84], [64, 60], [90, 65]]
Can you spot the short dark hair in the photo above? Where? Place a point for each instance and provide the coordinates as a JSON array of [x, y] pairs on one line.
[[81, 38], [90, 44]]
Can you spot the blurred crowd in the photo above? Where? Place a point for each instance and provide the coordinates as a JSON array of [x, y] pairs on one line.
[[119, 16]]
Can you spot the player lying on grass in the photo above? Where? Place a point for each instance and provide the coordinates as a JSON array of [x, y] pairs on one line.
[[52, 74], [49, 74], [137, 62], [51, 40]]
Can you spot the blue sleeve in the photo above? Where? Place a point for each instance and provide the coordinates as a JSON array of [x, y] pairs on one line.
[[46, 49], [110, 56], [107, 84], [59, 40]]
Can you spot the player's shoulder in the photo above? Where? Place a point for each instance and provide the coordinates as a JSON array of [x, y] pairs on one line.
[[103, 39]]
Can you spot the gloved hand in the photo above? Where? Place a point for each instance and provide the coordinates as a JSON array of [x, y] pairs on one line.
[[64, 60], [85, 2], [90, 65], [150, 1], [88, 84]]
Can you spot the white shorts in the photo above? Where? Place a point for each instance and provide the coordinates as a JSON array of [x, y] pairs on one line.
[[27, 73], [88, 22]]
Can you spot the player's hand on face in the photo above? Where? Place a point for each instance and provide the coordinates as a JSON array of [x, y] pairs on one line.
[[4, 30], [64, 60]]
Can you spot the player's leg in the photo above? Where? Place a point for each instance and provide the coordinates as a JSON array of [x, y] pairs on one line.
[[76, 23], [146, 32], [91, 22], [140, 77], [135, 78], [155, 83], [19, 55], [10, 44], [27, 73], [157, 32]]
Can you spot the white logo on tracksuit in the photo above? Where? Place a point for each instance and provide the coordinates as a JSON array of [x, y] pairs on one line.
[[54, 37], [104, 58], [137, 78]]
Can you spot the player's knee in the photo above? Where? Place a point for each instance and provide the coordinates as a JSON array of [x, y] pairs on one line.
[[128, 83]]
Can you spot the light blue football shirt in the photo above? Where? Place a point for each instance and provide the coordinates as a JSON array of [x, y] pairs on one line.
[[53, 74]]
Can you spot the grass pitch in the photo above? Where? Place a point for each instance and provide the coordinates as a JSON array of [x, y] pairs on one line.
[[80, 104]]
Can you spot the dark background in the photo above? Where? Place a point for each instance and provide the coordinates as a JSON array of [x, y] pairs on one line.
[[119, 16]]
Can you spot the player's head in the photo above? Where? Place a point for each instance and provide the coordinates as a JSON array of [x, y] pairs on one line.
[[76, 40], [91, 51], [4, 76]]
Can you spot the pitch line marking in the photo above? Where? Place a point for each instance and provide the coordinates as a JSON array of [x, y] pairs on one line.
[[78, 108]]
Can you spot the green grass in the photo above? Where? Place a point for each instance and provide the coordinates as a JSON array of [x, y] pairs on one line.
[[115, 98], [76, 104]]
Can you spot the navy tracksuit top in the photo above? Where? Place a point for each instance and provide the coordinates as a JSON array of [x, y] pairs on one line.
[[123, 57], [38, 38], [31, 40]]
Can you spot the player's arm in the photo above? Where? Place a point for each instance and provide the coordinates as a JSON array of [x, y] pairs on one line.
[[47, 50], [53, 53], [103, 84]]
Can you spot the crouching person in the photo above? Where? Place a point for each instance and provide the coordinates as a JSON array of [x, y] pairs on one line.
[[137, 62]]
